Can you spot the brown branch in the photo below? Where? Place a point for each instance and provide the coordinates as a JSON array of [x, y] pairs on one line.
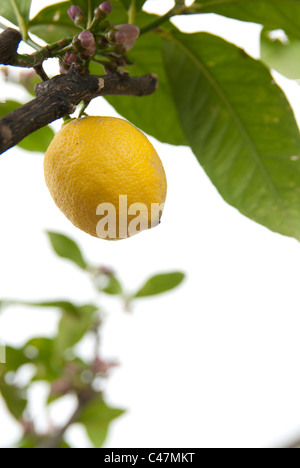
[[10, 40], [60, 96]]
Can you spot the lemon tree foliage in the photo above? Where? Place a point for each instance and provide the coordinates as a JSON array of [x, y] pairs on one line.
[[67, 248], [96, 419], [249, 148], [160, 283], [55, 359]]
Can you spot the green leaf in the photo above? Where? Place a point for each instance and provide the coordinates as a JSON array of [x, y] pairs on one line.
[[281, 55], [53, 23], [72, 328], [49, 364], [160, 283], [64, 305], [59, 304], [113, 287], [37, 141], [148, 112], [11, 9], [15, 358], [27, 442], [273, 14], [66, 248], [240, 126], [14, 398], [96, 418]]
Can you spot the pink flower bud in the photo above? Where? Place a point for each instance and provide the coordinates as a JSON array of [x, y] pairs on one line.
[[131, 31], [120, 37], [86, 39], [106, 8], [87, 42], [70, 58], [75, 11]]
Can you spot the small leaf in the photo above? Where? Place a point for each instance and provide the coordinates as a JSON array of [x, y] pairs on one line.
[[281, 54], [41, 353], [239, 125], [14, 398], [27, 442], [72, 328], [15, 358], [59, 304], [160, 283], [113, 287], [11, 9], [64, 305], [37, 141], [96, 418], [66, 248]]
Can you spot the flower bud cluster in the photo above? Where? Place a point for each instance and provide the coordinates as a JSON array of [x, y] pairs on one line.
[[109, 40]]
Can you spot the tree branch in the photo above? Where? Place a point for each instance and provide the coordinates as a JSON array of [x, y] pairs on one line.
[[10, 40], [60, 96]]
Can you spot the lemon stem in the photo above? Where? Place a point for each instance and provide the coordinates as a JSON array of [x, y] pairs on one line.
[[132, 12], [21, 22], [90, 14], [178, 9], [82, 109]]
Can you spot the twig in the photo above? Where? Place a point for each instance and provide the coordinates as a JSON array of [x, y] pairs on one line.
[[60, 96], [9, 42], [54, 440]]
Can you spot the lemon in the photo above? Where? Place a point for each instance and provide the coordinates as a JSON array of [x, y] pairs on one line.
[[106, 177]]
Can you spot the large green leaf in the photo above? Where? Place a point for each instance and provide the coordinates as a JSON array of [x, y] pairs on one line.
[[274, 14], [12, 9], [155, 114], [281, 55], [96, 418], [66, 248], [239, 125], [37, 141], [160, 283]]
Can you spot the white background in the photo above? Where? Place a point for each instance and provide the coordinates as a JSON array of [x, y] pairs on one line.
[[214, 364]]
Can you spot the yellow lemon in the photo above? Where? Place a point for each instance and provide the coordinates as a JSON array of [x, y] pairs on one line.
[[106, 177]]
